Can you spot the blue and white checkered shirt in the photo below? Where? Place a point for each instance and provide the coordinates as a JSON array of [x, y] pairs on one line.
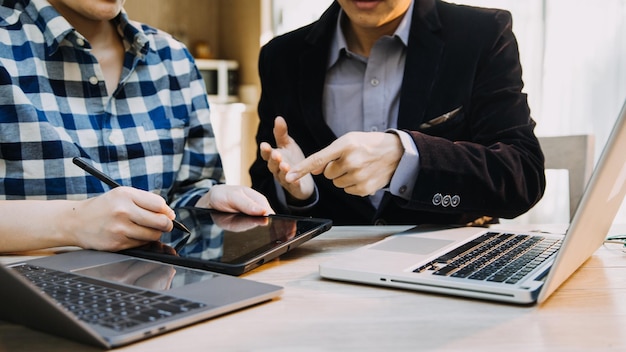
[[152, 133]]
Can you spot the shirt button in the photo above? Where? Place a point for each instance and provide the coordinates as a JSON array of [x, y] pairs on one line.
[[93, 80], [80, 41], [374, 82], [402, 189], [374, 129]]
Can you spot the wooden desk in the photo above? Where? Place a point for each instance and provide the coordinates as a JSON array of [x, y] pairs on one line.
[[313, 314]]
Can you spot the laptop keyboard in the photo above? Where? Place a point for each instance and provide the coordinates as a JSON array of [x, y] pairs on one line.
[[103, 303], [496, 257]]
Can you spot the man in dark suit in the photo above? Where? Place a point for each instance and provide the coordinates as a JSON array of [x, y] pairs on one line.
[[408, 112]]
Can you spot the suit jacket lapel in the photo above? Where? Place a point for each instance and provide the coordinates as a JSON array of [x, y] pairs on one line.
[[311, 88], [312, 75], [422, 64]]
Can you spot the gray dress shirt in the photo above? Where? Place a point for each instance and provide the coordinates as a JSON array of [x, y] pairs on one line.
[[363, 94]]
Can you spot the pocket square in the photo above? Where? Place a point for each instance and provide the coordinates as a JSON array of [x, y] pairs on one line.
[[441, 119]]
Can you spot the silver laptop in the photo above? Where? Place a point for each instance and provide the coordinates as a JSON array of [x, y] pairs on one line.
[[108, 299], [493, 264]]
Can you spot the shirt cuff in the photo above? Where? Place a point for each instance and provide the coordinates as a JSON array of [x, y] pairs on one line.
[[303, 205], [403, 179]]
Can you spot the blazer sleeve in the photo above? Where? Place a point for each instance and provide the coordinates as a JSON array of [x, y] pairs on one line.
[[485, 157]]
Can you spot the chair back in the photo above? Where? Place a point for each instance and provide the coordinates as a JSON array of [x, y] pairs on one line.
[[573, 153]]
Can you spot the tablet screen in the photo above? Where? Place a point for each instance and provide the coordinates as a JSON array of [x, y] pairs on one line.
[[226, 240]]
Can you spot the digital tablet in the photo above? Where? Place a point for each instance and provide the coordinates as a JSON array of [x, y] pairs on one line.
[[230, 243]]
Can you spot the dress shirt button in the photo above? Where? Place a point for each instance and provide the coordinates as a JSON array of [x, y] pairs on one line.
[[80, 42], [374, 82], [437, 199], [455, 201], [402, 189], [93, 80], [374, 129]]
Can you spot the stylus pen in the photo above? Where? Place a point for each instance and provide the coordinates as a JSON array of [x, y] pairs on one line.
[[111, 183]]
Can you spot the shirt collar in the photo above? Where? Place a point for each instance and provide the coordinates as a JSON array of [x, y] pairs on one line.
[[133, 33], [339, 44], [56, 28]]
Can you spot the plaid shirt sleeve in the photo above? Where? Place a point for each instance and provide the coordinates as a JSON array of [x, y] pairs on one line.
[[153, 132]]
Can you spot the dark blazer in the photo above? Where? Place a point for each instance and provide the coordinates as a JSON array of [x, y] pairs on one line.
[[483, 160]]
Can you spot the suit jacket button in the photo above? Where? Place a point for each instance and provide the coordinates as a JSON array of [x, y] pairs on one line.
[[446, 200], [437, 199], [380, 222], [455, 200]]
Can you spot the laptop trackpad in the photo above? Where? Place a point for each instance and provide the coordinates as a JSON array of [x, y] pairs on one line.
[[412, 245]]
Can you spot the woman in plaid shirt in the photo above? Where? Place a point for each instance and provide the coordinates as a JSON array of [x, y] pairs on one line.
[[77, 78]]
